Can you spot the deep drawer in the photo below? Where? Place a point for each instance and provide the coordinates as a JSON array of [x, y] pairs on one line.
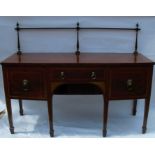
[[26, 83], [128, 83]]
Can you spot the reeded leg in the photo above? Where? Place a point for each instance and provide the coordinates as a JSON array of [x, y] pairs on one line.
[[105, 119], [9, 110], [146, 112], [50, 116], [21, 107], [134, 109]]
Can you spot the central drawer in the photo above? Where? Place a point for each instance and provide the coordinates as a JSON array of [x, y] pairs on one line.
[[77, 75]]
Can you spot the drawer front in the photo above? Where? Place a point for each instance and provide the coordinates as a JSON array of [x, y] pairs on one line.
[[26, 84], [128, 83], [77, 75]]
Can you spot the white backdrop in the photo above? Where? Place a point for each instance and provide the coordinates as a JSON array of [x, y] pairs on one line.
[[78, 115]]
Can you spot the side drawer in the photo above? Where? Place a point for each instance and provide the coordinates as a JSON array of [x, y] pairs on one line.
[[26, 83], [128, 83]]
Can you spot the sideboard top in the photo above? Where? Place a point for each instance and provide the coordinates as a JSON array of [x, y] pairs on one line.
[[83, 58]]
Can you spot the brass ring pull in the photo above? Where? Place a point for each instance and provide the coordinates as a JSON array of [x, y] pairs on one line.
[[93, 75], [62, 75], [25, 85], [130, 85]]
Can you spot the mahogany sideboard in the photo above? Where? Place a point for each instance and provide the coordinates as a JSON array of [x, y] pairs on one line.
[[37, 76]]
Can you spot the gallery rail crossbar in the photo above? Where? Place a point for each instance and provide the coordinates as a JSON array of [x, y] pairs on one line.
[[77, 28]]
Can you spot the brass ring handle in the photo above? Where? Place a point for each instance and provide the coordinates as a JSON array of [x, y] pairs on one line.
[[26, 85], [130, 85], [93, 76], [62, 75]]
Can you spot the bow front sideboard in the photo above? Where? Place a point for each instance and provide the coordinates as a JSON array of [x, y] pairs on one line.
[[116, 76]]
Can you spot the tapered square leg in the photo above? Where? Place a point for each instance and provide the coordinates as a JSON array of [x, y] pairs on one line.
[[12, 130], [144, 130], [104, 133], [21, 107], [51, 133], [105, 116], [134, 109], [146, 112], [9, 111], [50, 116]]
